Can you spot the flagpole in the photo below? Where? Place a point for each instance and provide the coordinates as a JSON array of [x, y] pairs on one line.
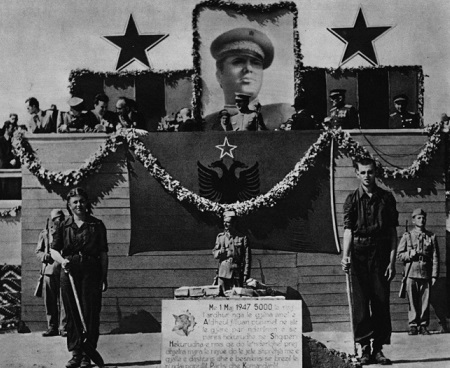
[[338, 246]]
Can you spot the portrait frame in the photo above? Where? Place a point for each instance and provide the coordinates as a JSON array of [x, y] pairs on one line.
[[267, 13]]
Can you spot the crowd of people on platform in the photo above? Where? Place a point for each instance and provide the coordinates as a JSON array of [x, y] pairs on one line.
[[247, 116]]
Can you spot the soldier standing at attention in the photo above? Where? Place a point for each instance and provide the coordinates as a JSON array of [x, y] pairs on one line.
[[342, 115], [246, 119], [418, 249], [370, 246], [401, 118], [232, 250], [51, 270]]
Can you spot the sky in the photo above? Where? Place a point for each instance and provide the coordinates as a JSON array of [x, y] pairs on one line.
[[42, 41]]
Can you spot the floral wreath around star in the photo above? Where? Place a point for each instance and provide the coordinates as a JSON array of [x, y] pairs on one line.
[[130, 137]]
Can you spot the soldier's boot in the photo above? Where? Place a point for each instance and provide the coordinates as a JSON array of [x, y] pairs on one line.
[[76, 359], [365, 355]]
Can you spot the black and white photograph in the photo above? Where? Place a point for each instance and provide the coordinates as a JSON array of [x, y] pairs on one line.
[[233, 184]]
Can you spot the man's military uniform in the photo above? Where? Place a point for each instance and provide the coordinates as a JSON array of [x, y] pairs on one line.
[[419, 249], [234, 255], [273, 115], [68, 123], [407, 120], [248, 121], [345, 117], [51, 271]]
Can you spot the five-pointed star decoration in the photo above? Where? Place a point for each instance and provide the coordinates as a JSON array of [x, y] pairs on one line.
[[133, 46], [226, 149], [359, 39]]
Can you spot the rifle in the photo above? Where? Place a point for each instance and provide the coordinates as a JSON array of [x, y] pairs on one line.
[[402, 291], [40, 283]]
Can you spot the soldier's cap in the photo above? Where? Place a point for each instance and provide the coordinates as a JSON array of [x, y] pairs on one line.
[[229, 214], [400, 98], [75, 102], [239, 96], [243, 41], [224, 112], [418, 211], [337, 92], [56, 213]]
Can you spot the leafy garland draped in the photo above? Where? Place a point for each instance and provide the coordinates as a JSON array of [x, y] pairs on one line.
[[130, 138]]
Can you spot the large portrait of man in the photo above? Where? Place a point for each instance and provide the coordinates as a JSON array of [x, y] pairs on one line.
[[247, 52]]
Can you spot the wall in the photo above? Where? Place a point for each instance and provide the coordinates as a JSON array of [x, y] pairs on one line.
[[139, 282]]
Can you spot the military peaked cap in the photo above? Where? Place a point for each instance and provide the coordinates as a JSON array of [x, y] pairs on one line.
[[418, 211], [400, 98], [337, 92], [247, 41]]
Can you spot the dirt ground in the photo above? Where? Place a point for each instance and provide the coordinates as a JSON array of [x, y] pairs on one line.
[[31, 350]]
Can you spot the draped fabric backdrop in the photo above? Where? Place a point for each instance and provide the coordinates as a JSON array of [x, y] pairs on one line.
[[301, 222]]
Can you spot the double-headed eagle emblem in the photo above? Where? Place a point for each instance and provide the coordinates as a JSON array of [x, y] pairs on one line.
[[229, 185]]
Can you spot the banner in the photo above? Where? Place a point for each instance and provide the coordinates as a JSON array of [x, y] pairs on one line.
[[251, 163]]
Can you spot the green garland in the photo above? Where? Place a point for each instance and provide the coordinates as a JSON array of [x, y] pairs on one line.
[[10, 212], [345, 144], [171, 77], [240, 9], [66, 178], [347, 72]]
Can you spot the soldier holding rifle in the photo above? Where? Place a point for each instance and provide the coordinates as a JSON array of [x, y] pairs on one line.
[[419, 250], [370, 244]]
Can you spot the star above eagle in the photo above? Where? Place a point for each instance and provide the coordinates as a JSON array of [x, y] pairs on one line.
[[134, 46], [359, 40]]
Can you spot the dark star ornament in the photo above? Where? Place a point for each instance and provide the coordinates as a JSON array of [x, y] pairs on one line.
[[359, 39], [133, 46]]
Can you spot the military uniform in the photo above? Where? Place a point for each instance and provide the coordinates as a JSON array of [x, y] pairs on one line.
[[407, 120], [419, 249], [51, 271], [273, 115], [68, 123], [234, 255], [302, 120], [345, 117], [247, 121]]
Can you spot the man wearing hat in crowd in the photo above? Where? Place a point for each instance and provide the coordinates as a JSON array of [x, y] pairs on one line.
[[418, 249], [246, 119], [76, 120], [342, 115], [401, 118], [242, 55], [232, 250], [302, 119], [41, 121], [56, 316], [225, 122]]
